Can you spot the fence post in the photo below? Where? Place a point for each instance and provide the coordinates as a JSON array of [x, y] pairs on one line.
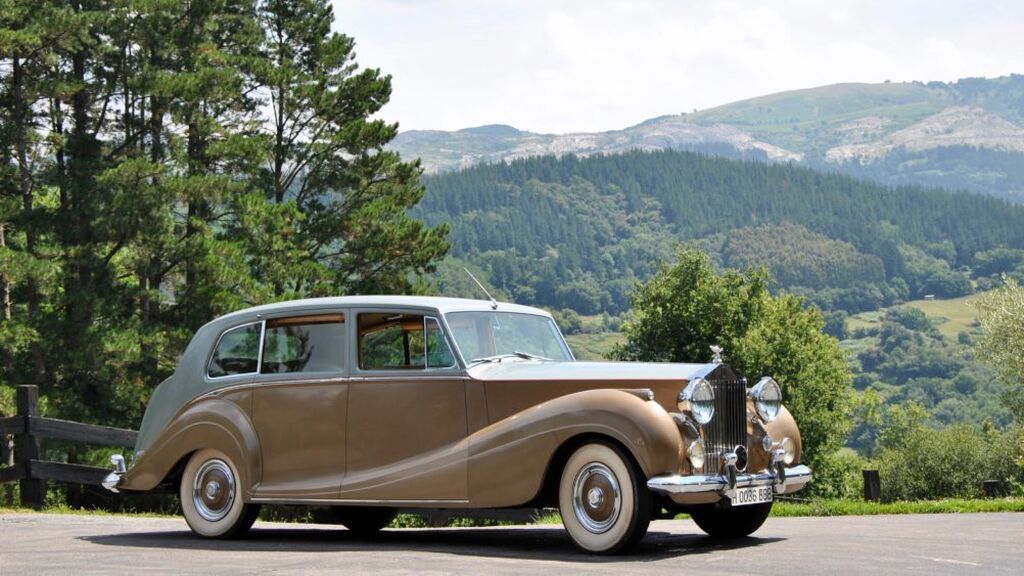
[[7, 461], [872, 486], [26, 448]]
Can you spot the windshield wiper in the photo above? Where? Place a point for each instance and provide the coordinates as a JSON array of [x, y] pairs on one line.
[[529, 356], [500, 357]]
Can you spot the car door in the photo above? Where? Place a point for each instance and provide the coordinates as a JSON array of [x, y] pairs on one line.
[[300, 402], [406, 438]]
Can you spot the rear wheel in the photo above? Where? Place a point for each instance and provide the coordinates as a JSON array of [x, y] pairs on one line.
[[363, 520], [605, 505], [735, 522], [211, 497]]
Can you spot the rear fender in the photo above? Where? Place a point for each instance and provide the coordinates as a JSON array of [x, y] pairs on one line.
[[509, 459], [209, 423]]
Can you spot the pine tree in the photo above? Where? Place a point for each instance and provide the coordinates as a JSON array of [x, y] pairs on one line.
[[143, 190], [333, 192]]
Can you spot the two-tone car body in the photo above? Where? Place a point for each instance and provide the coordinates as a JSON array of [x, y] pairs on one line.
[[370, 404]]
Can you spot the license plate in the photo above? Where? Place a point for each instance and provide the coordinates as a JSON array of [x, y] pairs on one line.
[[754, 495]]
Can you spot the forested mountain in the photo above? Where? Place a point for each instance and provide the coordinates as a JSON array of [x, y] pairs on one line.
[[577, 233], [967, 134]]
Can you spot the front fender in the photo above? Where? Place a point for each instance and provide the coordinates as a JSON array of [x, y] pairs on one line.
[[785, 426], [508, 460], [207, 423]]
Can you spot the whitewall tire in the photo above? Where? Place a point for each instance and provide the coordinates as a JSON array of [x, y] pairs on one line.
[[211, 496], [603, 499]]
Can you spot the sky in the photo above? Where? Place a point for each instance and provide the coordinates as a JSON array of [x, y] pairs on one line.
[[561, 66]]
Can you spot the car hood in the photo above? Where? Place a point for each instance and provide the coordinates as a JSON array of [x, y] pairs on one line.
[[519, 369]]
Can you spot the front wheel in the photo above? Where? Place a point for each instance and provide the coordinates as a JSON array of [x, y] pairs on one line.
[[735, 522], [211, 497], [604, 502]]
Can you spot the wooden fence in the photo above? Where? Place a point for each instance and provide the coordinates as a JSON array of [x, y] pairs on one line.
[[27, 466]]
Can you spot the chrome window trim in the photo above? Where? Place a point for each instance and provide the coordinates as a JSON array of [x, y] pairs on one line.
[[459, 360], [213, 350], [359, 374], [343, 372], [426, 346]]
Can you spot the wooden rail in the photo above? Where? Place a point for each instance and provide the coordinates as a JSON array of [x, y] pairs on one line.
[[29, 428]]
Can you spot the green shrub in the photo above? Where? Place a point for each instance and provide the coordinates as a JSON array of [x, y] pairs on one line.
[[1006, 460], [951, 463], [838, 476]]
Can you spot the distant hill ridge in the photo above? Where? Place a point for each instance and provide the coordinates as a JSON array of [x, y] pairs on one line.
[[571, 232], [967, 134]]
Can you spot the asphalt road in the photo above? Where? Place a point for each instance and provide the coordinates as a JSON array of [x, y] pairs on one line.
[[877, 545]]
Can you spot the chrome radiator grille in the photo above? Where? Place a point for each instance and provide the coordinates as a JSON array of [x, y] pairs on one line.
[[728, 427]]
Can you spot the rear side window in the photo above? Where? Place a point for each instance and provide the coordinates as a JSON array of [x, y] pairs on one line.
[[237, 352], [304, 344]]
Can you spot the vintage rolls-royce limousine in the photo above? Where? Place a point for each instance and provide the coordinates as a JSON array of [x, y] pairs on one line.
[[371, 404]]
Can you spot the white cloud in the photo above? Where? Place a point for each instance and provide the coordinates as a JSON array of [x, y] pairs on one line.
[[575, 65]]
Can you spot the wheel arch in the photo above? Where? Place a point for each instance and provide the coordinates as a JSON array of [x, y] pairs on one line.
[[511, 460], [210, 423], [548, 494]]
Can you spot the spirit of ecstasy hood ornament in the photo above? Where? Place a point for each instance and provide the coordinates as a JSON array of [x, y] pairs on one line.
[[717, 351]]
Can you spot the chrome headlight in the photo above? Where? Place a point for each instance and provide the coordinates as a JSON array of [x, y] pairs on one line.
[[788, 448], [698, 398], [767, 397]]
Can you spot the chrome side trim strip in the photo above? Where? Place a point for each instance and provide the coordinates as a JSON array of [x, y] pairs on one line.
[[330, 501], [794, 479]]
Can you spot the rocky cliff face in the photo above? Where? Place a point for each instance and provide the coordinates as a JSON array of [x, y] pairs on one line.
[[955, 126], [965, 135]]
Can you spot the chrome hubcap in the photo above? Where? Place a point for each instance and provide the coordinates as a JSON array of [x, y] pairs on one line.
[[596, 498], [213, 491]]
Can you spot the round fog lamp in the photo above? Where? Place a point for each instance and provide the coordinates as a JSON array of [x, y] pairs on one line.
[[696, 454], [699, 399], [788, 451], [767, 397]]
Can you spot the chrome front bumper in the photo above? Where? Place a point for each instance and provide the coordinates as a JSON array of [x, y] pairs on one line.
[[790, 480]]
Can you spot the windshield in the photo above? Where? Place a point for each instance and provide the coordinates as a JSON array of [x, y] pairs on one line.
[[481, 335]]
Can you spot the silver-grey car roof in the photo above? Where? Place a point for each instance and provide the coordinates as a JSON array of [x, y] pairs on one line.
[[442, 304]]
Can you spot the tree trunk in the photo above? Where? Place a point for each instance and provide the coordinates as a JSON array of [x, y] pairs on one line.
[[6, 357], [26, 189]]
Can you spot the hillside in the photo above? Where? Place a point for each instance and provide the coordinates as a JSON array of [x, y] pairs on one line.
[[963, 135], [917, 351], [578, 233]]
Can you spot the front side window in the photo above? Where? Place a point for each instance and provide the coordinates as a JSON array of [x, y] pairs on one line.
[[237, 352], [304, 344], [481, 335], [439, 355], [402, 341]]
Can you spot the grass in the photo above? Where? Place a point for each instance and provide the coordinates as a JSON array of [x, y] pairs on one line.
[[781, 509], [81, 512], [859, 508], [951, 316], [791, 509], [593, 346]]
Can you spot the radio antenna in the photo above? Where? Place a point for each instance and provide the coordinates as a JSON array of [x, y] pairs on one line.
[[494, 303]]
